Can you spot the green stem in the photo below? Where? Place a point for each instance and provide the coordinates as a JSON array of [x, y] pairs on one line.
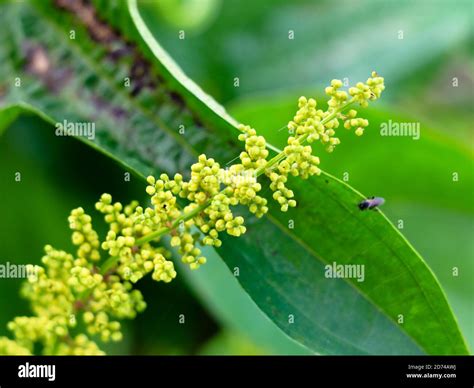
[[108, 264], [111, 261], [177, 221]]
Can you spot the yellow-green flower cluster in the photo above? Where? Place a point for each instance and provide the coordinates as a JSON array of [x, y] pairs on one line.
[[213, 189], [129, 223], [310, 124], [68, 289], [10, 347], [256, 152], [299, 161], [190, 253], [353, 122], [204, 182], [164, 193], [231, 187], [242, 188], [109, 301], [80, 345], [84, 236], [29, 330], [239, 186], [362, 93]]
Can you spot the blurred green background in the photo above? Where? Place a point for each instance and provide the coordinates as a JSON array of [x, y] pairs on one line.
[[422, 48]]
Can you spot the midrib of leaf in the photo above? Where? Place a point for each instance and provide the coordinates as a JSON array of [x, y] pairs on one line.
[[77, 49]]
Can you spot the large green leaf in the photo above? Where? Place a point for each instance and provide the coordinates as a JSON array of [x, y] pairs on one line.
[[415, 177], [281, 268]]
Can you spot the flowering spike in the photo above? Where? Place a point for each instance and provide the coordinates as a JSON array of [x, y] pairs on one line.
[[67, 289]]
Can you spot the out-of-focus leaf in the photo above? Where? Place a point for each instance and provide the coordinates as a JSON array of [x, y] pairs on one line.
[[188, 15], [230, 343], [444, 237], [280, 45]]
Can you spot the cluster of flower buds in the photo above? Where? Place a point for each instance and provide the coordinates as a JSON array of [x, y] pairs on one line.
[[66, 289], [362, 93], [84, 236], [100, 293], [311, 124], [256, 152], [128, 224]]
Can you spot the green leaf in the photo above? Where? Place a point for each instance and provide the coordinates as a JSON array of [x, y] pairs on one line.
[[221, 292], [415, 181], [8, 115], [281, 268], [255, 43]]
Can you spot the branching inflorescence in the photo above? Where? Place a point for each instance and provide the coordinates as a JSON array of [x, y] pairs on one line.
[[70, 293]]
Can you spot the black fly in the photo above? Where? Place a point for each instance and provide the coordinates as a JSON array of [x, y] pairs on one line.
[[371, 203]]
